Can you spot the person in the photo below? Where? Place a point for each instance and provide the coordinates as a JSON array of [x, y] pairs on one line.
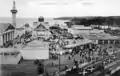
[[69, 58], [66, 66], [52, 63], [36, 62], [40, 69]]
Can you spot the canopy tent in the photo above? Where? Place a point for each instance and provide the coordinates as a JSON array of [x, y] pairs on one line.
[[82, 42]]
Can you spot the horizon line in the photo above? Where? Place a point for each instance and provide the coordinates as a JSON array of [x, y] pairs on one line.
[[62, 16]]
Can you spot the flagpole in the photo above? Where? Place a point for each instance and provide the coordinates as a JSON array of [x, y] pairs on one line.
[[59, 58]]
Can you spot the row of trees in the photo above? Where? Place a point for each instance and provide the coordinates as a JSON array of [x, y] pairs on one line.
[[96, 21]]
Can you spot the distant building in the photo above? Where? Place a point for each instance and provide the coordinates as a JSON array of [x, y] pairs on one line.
[[81, 27], [104, 38], [6, 33], [69, 24]]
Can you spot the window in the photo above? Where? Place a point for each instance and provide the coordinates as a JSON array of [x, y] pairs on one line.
[[1, 53], [105, 41], [111, 41], [100, 41], [117, 41], [6, 53]]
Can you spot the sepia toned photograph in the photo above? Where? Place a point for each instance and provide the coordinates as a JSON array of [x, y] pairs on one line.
[[59, 38]]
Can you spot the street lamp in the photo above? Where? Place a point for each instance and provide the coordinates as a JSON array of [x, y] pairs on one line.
[[60, 53]]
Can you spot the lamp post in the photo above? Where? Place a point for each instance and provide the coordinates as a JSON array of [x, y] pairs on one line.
[[60, 53]]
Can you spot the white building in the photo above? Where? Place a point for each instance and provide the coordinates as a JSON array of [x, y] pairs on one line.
[[104, 38], [80, 29], [36, 50], [6, 33], [41, 31]]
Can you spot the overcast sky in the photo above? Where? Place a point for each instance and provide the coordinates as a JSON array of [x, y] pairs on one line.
[[57, 8]]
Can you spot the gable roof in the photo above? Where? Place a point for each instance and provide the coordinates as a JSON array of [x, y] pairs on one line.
[[4, 26], [40, 27], [102, 37]]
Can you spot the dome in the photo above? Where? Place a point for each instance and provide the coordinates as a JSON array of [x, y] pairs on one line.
[[41, 19], [27, 25]]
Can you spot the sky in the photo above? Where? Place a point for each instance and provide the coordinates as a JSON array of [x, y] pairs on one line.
[[58, 8]]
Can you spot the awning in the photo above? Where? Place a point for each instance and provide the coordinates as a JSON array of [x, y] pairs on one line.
[[82, 42]]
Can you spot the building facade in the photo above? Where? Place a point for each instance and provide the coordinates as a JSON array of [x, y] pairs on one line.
[[41, 31], [6, 33], [104, 39]]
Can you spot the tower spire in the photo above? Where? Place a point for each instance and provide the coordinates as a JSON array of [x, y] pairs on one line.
[[14, 11], [14, 5]]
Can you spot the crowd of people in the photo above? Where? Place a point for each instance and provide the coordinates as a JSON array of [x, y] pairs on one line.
[[94, 53], [23, 39], [55, 46], [87, 53]]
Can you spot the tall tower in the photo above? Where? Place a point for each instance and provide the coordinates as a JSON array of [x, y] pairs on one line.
[[14, 11]]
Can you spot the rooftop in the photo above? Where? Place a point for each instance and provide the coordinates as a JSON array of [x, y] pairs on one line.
[[3, 27], [81, 27], [101, 36], [78, 43]]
